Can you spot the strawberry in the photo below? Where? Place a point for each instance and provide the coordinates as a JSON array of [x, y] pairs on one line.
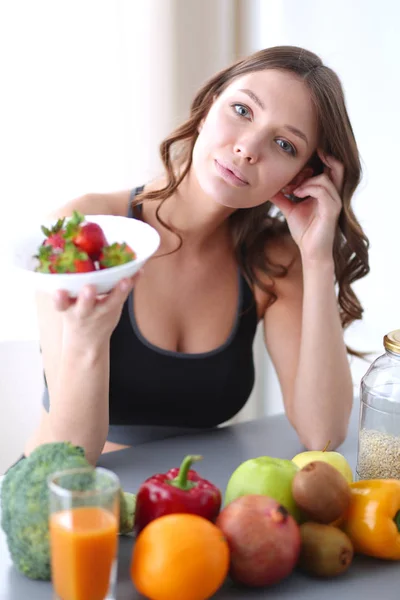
[[70, 260], [116, 254], [46, 257], [55, 235], [88, 237]]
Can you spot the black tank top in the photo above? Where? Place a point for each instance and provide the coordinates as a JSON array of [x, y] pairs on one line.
[[156, 389]]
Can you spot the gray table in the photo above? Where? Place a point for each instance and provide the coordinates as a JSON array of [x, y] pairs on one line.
[[223, 450]]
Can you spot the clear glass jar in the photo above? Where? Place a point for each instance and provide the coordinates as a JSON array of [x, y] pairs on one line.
[[378, 455]]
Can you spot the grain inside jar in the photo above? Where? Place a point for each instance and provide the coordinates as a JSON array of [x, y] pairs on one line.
[[378, 455]]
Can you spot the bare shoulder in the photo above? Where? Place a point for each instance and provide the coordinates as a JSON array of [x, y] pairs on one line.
[[282, 252], [114, 203]]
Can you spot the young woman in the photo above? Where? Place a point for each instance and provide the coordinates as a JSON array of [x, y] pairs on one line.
[[254, 213]]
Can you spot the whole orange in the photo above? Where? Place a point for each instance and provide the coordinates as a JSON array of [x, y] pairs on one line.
[[179, 557]]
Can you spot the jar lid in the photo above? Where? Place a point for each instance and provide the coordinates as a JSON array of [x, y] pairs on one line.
[[391, 341]]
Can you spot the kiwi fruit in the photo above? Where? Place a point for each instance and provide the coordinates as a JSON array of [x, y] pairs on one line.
[[321, 492], [325, 551]]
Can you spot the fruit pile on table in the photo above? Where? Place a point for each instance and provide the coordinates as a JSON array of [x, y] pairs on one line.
[[278, 515]]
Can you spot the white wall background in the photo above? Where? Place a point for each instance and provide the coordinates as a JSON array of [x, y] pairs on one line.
[[360, 41], [92, 87], [89, 89]]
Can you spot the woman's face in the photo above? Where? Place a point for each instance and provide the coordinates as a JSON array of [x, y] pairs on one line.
[[257, 136]]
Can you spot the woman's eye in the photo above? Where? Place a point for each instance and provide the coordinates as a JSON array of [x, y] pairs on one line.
[[241, 110], [286, 147]]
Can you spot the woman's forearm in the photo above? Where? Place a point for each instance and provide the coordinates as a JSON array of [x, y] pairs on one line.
[[323, 390], [79, 404]]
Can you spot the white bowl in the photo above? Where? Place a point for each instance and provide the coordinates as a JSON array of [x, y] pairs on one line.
[[141, 237]]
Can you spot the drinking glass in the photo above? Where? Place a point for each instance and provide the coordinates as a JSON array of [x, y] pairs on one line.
[[84, 526]]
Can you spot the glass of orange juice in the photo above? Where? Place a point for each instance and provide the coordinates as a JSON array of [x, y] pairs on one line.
[[84, 526]]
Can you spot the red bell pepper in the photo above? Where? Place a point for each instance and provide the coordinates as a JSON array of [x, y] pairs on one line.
[[180, 490]]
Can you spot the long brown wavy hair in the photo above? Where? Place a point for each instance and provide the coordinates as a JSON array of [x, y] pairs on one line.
[[253, 227]]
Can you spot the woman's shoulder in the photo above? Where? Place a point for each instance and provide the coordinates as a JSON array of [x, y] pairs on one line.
[[111, 203], [281, 251]]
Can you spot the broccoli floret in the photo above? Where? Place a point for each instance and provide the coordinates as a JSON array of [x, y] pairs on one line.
[[25, 505], [8, 488]]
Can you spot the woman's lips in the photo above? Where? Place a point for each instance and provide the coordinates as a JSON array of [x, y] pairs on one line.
[[228, 175]]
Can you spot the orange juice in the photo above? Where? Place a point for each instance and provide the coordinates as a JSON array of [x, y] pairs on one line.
[[83, 543]]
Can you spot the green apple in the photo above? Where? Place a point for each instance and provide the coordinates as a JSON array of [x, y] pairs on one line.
[[335, 459], [266, 476]]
